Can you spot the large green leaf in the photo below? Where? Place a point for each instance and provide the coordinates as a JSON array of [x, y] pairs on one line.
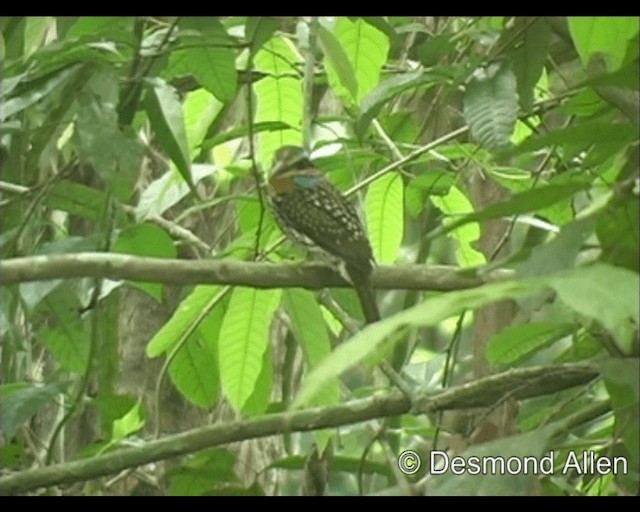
[[310, 331], [168, 190], [608, 35], [214, 68], [608, 295], [243, 340], [527, 61], [167, 119], [366, 49], [115, 156], [182, 319], [453, 204], [278, 97], [491, 105], [19, 402], [194, 371], [385, 217], [338, 62]]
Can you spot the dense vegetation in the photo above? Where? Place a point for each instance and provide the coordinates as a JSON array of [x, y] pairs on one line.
[[495, 164]]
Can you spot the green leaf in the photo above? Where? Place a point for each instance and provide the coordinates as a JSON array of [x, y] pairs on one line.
[[524, 202], [278, 97], [96, 25], [243, 131], [337, 62], [608, 295], [388, 90], [453, 204], [168, 190], [559, 253], [182, 319], [97, 138], [33, 293], [214, 68], [146, 240], [128, 424], [608, 35], [203, 472], [77, 199], [385, 217], [258, 30], [517, 342], [621, 378], [165, 113], [259, 400], [34, 31], [528, 60], [34, 91], [584, 135], [491, 105], [19, 402], [194, 372], [200, 111], [243, 340], [366, 48], [617, 230], [310, 330]]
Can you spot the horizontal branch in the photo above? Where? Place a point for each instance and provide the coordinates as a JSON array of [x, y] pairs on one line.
[[232, 272], [520, 383]]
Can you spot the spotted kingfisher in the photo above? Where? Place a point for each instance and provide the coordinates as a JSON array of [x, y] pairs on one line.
[[316, 215]]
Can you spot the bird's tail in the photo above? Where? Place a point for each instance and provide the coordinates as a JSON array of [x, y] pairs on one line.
[[362, 284]]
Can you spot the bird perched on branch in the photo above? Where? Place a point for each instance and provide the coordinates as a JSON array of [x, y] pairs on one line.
[[316, 215]]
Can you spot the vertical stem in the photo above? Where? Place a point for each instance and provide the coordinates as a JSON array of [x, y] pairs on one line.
[[307, 84]]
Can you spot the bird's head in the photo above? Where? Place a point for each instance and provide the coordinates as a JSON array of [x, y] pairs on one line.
[[291, 169]]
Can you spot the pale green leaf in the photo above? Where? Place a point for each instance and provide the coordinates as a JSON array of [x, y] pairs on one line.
[[128, 424], [194, 372], [243, 340], [366, 48], [337, 62], [608, 35], [454, 204], [214, 68], [201, 108], [310, 330], [182, 319], [168, 190], [278, 97], [384, 207]]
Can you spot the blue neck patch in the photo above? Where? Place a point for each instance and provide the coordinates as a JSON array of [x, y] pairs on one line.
[[307, 181]]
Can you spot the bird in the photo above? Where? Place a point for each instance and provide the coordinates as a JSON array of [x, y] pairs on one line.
[[313, 213]]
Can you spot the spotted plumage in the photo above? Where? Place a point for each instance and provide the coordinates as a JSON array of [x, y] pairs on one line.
[[315, 214]]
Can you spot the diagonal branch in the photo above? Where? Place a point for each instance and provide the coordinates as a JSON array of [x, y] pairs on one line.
[[520, 383], [232, 272]]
